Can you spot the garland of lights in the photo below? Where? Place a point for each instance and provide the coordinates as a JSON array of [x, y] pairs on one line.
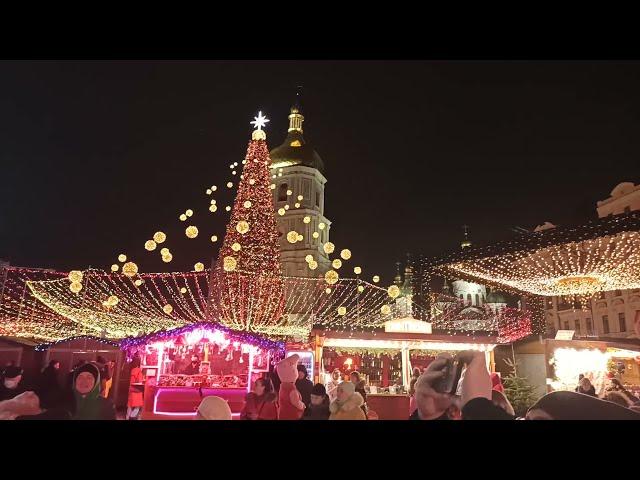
[[45, 346]]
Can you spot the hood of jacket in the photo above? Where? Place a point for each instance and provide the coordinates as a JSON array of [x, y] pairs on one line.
[[351, 403]]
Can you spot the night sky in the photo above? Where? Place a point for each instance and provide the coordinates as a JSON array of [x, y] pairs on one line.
[[97, 156]]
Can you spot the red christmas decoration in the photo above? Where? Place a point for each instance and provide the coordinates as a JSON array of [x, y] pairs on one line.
[[247, 287]]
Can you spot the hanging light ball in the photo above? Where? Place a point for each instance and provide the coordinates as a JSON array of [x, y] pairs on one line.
[[230, 184], [292, 236], [183, 290], [167, 309], [297, 205], [313, 264], [213, 208], [328, 247], [286, 207], [306, 219], [251, 181], [357, 270], [385, 310], [331, 277], [208, 191], [236, 247], [213, 188], [337, 263], [321, 226], [308, 258], [159, 237], [75, 287], [138, 282], [130, 269], [164, 251], [182, 217], [281, 211], [122, 257], [167, 257], [345, 254], [300, 197], [327, 290], [75, 276], [214, 238], [150, 245], [315, 234], [360, 289], [227, 208], [113, 300], [247, 204], [198, 267], [189, 213], [229, 264], [191, 231], [300, 237], [342, 311], [376, 279], [289, 192], [242, 227], [272, 186], [115, 267], [393, 291]]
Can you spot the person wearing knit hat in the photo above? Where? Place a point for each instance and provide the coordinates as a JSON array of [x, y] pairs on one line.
[[213, 408], [87, 403], [319, 406], [10, 386], [348, 404]]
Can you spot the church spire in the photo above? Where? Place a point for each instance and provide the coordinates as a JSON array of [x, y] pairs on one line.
[[465, 242], [295, 117]]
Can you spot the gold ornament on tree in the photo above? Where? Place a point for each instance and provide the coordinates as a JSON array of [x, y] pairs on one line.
[[191, 231], [150, 245], [160, 237]]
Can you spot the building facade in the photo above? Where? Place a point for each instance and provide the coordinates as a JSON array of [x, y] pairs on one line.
[[608, 314]]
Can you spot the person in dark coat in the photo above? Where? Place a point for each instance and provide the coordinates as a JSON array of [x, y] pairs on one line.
[[11, 385], [49, 389], [355, 378], [304, 385], [319, 406], [87, 403], [586, 387]]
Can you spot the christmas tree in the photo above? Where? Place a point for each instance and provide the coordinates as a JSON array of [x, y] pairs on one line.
[[518, 390], [247, 287]]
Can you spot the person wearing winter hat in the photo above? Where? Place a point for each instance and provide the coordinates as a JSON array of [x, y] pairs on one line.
[[348, 404], [304, 385], [87, 403], [10, 386], [319, 406], [213, 408]]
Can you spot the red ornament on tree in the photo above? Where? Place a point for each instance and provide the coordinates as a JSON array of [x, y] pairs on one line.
[[247, 287]]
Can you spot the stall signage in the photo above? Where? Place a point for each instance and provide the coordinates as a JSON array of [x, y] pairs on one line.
[[407, 325], [565, 334]]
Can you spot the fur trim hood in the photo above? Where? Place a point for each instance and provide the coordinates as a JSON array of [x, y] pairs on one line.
[[353, 402]]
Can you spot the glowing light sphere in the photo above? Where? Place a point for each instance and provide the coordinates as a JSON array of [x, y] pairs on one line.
[[159, 237], [376, 279], [191, 231], [214, 238], [328, 247], [315, 234], [122, 257], [115, 267], [242, 227], [213, 208], [281, 211], [229, 264], [313, 264], [292, 236], [167, 309], [227, 208], [113, 300], [236, 247], [300, 237], [182, 217], [286, 207], [327, 290], [321, 225], [183, 290], [213, 188], [385, 310], [130, 269], [297, 205], [75, 276], [167, 258], [289, 192], [342, 311], [209, 191], [213, 201], [345, 254], [75, 287], [393, 291], [306, 219], [331, 277], [230, 184], [272, 186], [150, 245], [247, 204], [251, 181], [308, 258], [198, 267], [138, 282], [337, 263], [233, 173], [189, 213], [357, 270], [360, 289], [300, 197], [164, 251]]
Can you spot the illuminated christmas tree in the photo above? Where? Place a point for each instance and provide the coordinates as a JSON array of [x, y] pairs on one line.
[[247, 287]]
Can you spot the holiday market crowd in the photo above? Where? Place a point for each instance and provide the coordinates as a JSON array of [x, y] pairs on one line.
[[286, 393]]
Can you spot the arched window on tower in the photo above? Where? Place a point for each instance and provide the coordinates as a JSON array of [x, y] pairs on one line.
[[468, 298], [282, 192], [477, 300]]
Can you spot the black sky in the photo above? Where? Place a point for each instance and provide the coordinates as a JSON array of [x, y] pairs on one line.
[[96, 156]]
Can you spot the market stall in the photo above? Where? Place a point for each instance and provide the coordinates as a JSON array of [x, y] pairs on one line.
[[181, 366]]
